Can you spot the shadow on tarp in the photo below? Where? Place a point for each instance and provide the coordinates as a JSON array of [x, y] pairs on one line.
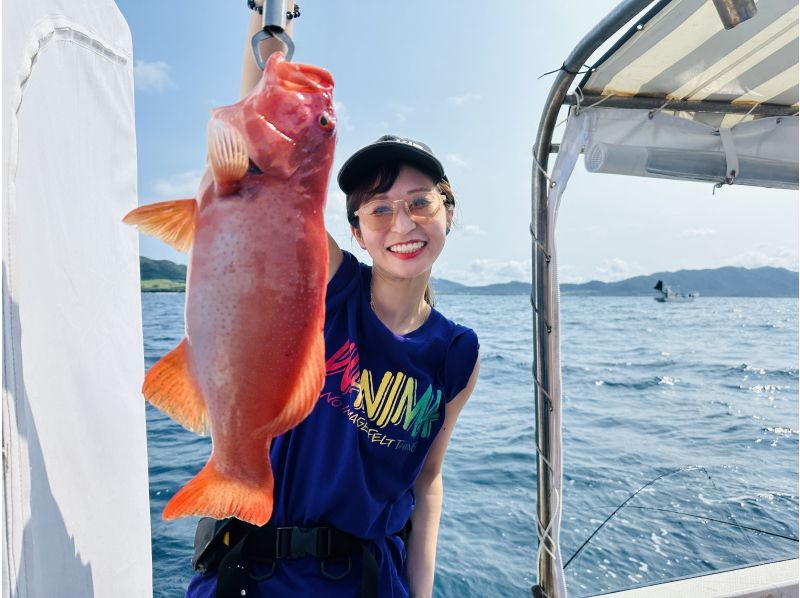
[[49, 564]]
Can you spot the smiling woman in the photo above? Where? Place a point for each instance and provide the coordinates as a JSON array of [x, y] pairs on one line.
[[358, 483]]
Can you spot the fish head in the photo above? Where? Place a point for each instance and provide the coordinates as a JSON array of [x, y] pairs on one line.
[[289, 124]]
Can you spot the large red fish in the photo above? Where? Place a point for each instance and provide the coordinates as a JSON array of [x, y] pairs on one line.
[[253, 361]]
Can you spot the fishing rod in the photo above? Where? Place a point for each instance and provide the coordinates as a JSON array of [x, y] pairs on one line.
[[620, 507], [653, 481]]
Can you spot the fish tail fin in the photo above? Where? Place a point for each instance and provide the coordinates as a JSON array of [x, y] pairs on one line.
[[170, 387], [213, 494], [171, 221]]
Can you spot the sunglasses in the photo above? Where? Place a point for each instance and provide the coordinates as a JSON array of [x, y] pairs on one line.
[[379, 214]]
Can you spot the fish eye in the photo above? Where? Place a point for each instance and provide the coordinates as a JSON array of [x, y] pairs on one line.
[[325, 121]]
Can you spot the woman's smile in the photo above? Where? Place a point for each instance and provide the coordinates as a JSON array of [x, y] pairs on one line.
[[407, 249]]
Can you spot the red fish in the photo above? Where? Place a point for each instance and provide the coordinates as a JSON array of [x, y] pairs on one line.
[[253, 361]]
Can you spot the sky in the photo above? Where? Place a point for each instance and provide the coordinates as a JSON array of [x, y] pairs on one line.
[[462, 76]]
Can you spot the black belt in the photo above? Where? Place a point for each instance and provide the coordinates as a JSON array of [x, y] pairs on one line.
[[229, 545]]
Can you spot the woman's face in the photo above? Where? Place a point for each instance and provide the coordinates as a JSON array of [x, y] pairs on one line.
[[407, 249]]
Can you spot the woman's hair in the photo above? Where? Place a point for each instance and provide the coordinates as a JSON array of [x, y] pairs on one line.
[[380, 179]]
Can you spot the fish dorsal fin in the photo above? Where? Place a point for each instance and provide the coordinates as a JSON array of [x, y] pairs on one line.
[[171, 387], [171, 221], [227, 152]]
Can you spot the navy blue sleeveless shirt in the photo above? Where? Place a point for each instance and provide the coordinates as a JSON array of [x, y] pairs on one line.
[[353, 462]]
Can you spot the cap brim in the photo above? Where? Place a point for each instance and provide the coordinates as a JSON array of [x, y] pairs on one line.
[[354, 170]]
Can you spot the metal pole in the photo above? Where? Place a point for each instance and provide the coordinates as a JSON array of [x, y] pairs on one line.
[[683, 105], [544, 368]]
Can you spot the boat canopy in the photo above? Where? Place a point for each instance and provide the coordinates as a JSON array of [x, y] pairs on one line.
[[693, 90], [681, 52]]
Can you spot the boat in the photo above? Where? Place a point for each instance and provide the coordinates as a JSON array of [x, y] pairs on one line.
[[667, 293], [692, 90]]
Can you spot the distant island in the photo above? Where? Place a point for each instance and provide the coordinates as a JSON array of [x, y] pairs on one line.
[[164, 275]]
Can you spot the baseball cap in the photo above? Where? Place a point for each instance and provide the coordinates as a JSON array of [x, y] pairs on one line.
[[389, 147]]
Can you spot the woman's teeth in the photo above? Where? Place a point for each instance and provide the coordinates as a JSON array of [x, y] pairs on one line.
[[407, 247]]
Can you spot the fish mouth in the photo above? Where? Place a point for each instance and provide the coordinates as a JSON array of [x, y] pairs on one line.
[[297, 77]]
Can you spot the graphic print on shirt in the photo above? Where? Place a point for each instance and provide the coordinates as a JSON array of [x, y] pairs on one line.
[[390, 407]]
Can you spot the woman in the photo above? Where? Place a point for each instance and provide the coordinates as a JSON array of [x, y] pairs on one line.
[[358, 484]]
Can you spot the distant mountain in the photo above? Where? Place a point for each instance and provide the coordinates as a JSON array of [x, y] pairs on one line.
[[161, 270], [719, 282]]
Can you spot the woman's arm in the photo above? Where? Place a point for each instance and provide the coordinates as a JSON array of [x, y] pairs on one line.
[[428, 488], [251, 75]]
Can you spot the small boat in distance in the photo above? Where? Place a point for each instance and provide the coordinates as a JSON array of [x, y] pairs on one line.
[[667, 294]]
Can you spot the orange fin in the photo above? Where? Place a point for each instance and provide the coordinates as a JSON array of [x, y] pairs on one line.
[[170, 386], [227, 152], [213, 494], [171, 221]]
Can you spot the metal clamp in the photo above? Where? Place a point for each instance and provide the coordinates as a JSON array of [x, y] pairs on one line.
[[273, 24]]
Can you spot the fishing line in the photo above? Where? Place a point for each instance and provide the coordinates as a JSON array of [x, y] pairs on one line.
[[739, 525], [620, 507]]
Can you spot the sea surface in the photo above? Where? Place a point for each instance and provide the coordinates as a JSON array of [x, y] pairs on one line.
[[696, 402]]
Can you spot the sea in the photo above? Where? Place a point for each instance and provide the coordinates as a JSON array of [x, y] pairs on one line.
[[688, 411]]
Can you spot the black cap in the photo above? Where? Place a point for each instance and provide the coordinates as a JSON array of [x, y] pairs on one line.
[[389, 147]]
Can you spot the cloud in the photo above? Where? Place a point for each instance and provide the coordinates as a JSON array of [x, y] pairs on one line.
[[486, 271], [400, 112], [342, 116], [695, 233], [615, 269], [178, 186], [463, 99], [455, 160], [152, 76], [767, 256], [469, 230]]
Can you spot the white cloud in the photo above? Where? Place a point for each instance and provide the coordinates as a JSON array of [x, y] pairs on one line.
[[695, 233], [455, 160], [342, 116], [152, 76], [469, 230], [487, 271], [179, 186], [766, 256], [614, 269], [463, 99], [400, 112]]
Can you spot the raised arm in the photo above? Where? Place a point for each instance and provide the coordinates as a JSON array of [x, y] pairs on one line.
[[250, 76]]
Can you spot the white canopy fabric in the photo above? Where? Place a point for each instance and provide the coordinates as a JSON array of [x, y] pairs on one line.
[[684, 53], [75, 489], [762, 152]]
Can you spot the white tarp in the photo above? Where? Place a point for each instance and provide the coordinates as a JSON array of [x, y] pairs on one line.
[[75, 493], [761, 152]]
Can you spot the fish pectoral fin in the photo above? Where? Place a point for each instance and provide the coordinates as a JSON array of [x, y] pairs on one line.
[[170, 386], [227, 153], [171, 221]]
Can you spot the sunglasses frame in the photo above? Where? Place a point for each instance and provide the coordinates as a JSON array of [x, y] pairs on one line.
[[416, 219]]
